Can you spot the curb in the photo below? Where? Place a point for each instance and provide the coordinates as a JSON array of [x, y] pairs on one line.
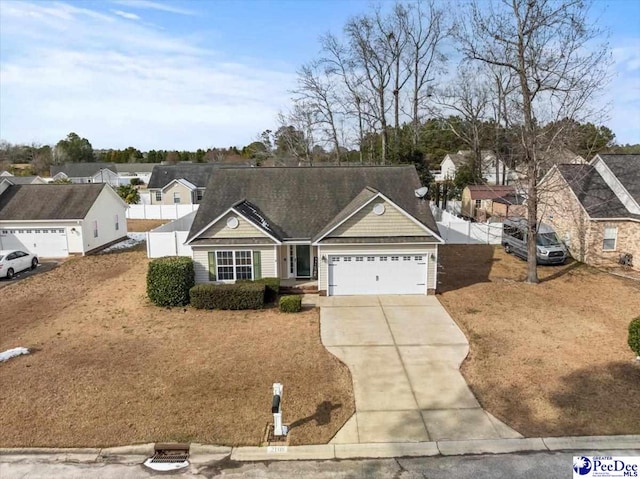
[[202, 453]]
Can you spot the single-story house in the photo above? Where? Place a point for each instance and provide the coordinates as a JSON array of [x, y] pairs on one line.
[[595, 207], [353, 230], [114, 174], [183, 183], [59, 220], [24, 180], [478, 201]]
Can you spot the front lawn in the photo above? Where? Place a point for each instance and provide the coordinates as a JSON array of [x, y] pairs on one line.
[[548, 359], [111, 369]]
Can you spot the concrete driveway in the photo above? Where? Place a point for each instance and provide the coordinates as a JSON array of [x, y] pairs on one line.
[[42, 268], [404, 353]]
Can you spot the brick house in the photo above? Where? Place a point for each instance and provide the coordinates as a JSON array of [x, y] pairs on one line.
[[482, 202], [595, 208]]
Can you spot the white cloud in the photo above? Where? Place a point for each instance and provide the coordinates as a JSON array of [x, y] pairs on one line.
[[127, 15], [122, 84], [147, 4]]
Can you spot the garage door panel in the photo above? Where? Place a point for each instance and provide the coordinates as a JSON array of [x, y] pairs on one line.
[[44, 242], [377, 274]]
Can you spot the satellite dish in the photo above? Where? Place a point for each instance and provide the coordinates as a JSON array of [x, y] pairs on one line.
[[422, 192]]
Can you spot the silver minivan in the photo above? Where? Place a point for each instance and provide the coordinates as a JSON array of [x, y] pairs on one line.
[[549, 248]]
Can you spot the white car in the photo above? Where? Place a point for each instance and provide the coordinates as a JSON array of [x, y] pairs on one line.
[[13, 261]]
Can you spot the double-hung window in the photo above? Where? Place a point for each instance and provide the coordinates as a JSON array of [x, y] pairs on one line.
[[158, 195], [233, 265], [95, 229], [610, 236], [176, 197]]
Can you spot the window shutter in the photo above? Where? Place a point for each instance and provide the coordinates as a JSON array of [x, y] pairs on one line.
[[257, 265], [212, 266]]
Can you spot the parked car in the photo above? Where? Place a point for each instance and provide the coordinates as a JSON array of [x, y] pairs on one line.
[[14, 261], [549, 248]]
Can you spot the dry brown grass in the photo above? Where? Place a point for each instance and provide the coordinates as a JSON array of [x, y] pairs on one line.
[[111, 369], [548, 359], [143, 225]]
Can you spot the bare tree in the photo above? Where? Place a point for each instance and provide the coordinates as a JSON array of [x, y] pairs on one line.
[[317, 92], [371, 52], [549, 46], [425, 31], [468, 99]]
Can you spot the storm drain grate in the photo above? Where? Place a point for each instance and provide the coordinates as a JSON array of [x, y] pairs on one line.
[[169, 457]]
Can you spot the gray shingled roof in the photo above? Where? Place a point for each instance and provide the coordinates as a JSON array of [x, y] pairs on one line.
[[81, 170], [627, 170], [20, 180], [598, 200], [301, 202], [48, 202], [125, 168], [196, 173]]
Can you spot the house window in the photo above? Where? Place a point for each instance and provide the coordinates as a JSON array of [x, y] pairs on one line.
[[117, 223], [395, 258], [234, 265], [95, 229], [478, 203], [406, 258], [199, 194], [359, 258], [176, 197], [610, 236], [383, 258], [158, 195], [371, 258]]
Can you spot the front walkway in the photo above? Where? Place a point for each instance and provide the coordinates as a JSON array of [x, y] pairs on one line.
[[404, 354]]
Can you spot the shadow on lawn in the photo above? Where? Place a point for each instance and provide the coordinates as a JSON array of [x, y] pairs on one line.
[[463, 265], [599, 400], [567, 268], [322, 416]]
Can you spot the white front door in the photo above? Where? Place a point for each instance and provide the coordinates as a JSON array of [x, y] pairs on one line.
[[377, 274]]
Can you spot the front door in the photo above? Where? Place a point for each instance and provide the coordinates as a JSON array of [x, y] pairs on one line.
[[303, 261]]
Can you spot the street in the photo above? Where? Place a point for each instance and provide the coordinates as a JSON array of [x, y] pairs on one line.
[[542, 465]]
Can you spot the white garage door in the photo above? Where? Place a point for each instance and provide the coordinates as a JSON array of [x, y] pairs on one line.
[[377, 274], [44, 242]]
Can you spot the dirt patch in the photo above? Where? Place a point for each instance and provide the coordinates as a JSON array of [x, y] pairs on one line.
[[548, 359], [109, 368], [134, 226]]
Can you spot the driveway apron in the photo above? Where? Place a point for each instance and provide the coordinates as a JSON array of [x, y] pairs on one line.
[[404, 354]]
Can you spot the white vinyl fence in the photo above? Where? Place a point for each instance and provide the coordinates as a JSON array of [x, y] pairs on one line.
[[169, 243], [168, 240], [159, 212], [454, 230]]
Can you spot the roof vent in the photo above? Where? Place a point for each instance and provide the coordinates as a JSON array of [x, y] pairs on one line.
[[378, 209], [421, 192], [232, 222]]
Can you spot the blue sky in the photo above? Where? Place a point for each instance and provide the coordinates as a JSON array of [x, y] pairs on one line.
[[197, 74]]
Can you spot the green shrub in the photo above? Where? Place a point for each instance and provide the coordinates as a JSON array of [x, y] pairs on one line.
[[634, 335], [291, 304], [169, 280], [272, 287], [228, 296]]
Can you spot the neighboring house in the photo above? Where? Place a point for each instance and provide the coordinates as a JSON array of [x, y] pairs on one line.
[[183, 183], [114, 174], [453, 161], [481, 202], [595, 207], [24, 180], [5, 173], [86, 173], [357, 230], [128, 171], [59, 220]]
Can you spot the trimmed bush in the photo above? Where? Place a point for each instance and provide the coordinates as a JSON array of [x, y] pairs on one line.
[[228, 296], [634, 335], [291, 303], [169, 280], [272, 287]]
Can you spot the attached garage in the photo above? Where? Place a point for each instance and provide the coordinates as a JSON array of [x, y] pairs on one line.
[[377, 274], [44, 242]]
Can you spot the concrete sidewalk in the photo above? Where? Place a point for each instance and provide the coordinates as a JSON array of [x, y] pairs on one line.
[[404, 354]]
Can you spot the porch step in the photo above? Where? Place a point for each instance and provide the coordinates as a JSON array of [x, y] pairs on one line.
[[298, 290]]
